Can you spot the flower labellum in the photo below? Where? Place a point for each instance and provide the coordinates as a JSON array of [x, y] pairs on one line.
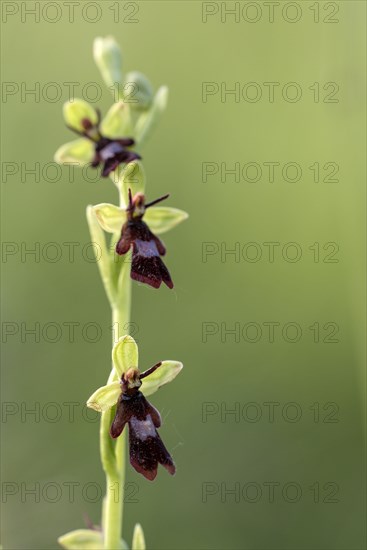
[[147, 266], [146, 447], [109, 152]]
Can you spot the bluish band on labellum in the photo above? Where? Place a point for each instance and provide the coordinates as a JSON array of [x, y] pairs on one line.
[[113, 152]]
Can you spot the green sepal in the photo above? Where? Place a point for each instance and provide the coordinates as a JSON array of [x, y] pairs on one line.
[[161, 376], [76, 111], [105, 397], [125, 354], [160, 219], [110, 217], [163, 218], [117, 122], [82, 539], [138, 542], [79, 151]]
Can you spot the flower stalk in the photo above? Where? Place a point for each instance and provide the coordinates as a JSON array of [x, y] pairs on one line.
[[113, 455], [122, 400]]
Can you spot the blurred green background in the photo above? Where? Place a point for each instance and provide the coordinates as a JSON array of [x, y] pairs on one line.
[[325, 380]]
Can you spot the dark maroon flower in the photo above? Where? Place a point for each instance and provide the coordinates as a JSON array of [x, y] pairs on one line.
[[147, 266], [109, 152], [147, 450]]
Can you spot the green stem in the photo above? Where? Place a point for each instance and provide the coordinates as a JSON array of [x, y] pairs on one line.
[[113, 455], [115, 275]]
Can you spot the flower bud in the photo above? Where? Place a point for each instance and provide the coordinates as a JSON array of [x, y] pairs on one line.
[[148, 119], [82, 539], [140, 88], [107, 55], [138, 538]]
